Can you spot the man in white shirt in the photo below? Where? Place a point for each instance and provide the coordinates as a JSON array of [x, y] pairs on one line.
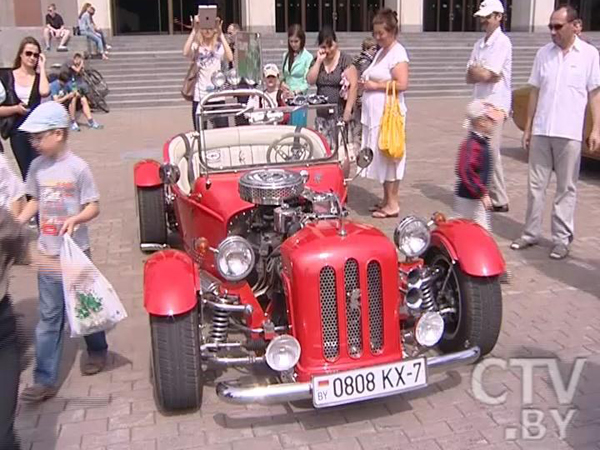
[[565, 76], [490, 71]]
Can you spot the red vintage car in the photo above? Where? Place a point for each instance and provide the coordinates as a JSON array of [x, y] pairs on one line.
[[271, 273]]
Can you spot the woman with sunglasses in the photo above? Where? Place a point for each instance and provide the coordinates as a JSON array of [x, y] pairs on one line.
[[25, 85]]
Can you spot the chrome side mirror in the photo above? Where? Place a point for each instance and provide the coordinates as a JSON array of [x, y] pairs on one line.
[[364, 158], [169, 174]]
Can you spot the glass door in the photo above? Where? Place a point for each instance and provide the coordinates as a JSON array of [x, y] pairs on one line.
[[445, 16], [341, 15], [327, 13], [148, 17]]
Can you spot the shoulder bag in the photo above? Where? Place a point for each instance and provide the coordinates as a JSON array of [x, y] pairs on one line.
[[392, 134], [190, 80]]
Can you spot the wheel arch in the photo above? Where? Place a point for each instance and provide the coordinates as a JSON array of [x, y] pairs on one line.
[[145, 173], [472, 247], [170, 283]]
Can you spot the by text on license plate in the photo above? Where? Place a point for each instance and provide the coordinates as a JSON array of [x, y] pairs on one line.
[[370, 382]]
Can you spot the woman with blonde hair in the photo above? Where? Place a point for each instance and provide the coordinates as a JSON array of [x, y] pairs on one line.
[[88, 29], [207, 47]]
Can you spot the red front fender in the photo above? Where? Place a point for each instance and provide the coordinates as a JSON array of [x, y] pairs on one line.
[[170, 283], [471, 246], [145, 173]]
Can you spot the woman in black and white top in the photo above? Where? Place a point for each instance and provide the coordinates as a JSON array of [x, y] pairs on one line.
[[337, 79], [25, 85]]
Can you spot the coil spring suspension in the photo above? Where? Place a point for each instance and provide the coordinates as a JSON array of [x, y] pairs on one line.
[[427, 292], [220, 326]]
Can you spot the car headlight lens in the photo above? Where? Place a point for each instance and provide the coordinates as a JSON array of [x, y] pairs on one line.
[[429, 329], [412, 236], [233, 78], [218, 79], [283, 353], [235, 258]]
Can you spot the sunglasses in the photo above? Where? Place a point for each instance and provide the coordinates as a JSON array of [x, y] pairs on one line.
[[30, 54], [557, 27]]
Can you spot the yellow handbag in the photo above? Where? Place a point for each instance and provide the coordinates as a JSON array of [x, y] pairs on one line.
[[392, 135]]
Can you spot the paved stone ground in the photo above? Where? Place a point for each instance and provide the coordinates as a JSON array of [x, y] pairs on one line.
[[550, 310]]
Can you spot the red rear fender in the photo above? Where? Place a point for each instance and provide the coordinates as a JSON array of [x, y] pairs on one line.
[[170, 283], [471, 246], [145, 173]]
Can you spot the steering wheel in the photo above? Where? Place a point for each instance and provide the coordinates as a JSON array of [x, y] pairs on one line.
[[300, 148]]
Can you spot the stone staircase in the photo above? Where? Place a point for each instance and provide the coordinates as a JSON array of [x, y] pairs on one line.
[[146, 71]]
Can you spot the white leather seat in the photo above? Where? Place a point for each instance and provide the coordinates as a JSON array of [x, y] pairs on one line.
[[230, 148]]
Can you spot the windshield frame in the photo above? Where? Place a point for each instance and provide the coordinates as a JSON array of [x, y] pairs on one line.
[[206, 111]]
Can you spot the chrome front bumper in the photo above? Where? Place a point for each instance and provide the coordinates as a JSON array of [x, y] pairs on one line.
[[289, 392]]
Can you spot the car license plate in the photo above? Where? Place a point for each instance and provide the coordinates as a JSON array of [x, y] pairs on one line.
[[371, 382]]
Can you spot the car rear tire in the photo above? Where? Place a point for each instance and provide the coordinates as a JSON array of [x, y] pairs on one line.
[[176, 369], [479, 300], [152, 215]]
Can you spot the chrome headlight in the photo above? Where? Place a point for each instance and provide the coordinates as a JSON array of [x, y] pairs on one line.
[[235, 258], [283, 353], [412, 236], [233, 78], [429, 329], [218, 79]]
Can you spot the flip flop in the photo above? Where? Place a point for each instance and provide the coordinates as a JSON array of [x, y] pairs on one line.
[[375, 207], [379, 214]]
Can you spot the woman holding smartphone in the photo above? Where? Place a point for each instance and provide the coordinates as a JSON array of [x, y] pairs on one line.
[[25, 85], [207, 47]]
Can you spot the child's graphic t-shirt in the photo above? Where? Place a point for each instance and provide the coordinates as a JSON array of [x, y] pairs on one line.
[[62, 186]]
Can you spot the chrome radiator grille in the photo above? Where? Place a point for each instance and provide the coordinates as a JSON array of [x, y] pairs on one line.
[[357, 301], [353, 308], [375, 306], [329, 315]]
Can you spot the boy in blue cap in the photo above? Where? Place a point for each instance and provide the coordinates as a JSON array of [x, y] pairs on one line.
[[64, 194]]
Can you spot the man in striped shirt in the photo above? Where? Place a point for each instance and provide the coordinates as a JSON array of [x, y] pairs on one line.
[[489, 71]]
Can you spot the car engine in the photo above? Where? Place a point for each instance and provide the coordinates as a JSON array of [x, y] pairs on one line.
[[283, 207]]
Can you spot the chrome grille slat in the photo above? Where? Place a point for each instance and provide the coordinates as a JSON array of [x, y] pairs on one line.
[[329, 314], [353, 297], [375, 306]]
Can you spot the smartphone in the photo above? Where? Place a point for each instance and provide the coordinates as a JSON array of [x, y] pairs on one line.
[[207, 16]]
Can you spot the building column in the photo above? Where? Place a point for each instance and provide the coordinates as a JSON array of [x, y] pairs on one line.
[[410, 14], [531, 15], [258, 17]]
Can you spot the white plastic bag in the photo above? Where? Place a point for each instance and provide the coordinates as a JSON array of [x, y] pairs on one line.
[[90, 300]]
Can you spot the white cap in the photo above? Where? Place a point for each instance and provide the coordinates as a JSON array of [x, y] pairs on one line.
[[488, 7], [271, 70], [477, 109], [48, 116]]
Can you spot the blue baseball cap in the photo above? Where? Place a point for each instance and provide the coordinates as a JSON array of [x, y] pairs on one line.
[[48, 116]]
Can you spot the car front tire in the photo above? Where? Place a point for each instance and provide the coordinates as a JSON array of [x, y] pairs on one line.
[[479, 316], [176, 362]]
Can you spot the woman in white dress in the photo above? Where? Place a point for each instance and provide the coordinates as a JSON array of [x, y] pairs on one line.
[[390, 63]]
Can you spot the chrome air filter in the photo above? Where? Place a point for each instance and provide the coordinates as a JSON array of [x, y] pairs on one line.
[[270, 186]]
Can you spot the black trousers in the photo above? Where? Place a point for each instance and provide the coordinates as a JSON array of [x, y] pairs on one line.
[[23, 151], [9, 375], [218, 122]]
